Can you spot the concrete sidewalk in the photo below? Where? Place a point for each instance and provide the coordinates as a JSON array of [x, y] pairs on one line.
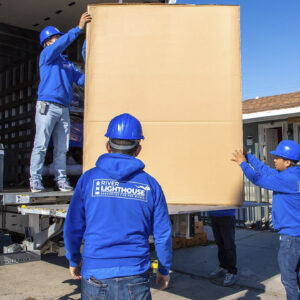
[[257, 263], [258, 271]]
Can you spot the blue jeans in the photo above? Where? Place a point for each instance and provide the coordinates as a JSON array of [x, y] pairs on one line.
[[289, 262], [55, 122], [121, 288]]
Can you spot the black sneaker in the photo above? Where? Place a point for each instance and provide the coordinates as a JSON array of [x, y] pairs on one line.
[[230, 279], [218, 273]]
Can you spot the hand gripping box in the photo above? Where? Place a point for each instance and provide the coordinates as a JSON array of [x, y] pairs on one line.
[[177, 69]]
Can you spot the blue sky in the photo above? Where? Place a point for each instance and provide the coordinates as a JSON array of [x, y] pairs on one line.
[[270, 45]]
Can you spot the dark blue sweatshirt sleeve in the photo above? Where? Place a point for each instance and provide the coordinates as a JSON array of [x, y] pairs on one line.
[[83, 50], [51, 52], [279, 182], [162, 233], [259, 166], [78, 77], [74, 226]]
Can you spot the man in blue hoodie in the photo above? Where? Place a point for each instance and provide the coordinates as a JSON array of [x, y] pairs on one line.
[[55, 93], [115, 207], [284, 181]]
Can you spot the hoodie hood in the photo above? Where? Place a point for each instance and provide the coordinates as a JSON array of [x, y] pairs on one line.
[[119, 166]]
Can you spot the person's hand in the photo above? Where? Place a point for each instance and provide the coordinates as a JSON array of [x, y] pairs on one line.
[[162, 281], [238, 156], [84, 19], [75, 272]]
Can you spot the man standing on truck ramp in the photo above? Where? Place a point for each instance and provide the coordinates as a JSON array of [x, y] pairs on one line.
[[115, 207], [55, 93], [284, 181]]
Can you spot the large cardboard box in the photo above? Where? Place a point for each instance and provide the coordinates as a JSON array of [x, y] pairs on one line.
[[177, 69]]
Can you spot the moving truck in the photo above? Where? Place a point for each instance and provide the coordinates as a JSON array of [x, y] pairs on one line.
[[177, 69]]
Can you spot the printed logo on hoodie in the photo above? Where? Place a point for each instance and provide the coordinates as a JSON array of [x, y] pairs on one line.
[[118, 189]]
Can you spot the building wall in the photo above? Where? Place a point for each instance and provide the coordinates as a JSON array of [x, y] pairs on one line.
[[250, 130]]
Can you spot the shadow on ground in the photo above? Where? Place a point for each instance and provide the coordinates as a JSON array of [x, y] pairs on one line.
[[257, 264], [77, 289]]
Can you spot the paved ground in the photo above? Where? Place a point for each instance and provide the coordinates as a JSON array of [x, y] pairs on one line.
[[258, 274]]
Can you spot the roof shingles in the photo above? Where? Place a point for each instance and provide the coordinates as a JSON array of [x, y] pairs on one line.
[[271, 103]]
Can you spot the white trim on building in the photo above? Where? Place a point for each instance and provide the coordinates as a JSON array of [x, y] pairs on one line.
[[271, 115]]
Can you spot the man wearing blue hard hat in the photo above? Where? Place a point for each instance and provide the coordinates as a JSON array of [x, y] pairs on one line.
[[284, 181], [55, 93], [115, 207]]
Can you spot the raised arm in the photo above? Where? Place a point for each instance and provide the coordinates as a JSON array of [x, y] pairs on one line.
[[52, 51], [259, 166], [278, 182]]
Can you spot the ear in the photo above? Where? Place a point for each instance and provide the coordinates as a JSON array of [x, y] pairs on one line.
[[108, 148], [48, 42], [288, 163], [138, 150]]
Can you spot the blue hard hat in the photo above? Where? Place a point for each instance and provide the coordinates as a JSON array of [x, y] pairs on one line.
[[47, 32], [287, 149], [125, 127]]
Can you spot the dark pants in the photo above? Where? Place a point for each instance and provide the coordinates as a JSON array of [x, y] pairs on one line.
[[224, 234], [121, 288], [289, 263]]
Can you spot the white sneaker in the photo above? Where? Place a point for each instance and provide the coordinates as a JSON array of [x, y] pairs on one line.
[[36, 186], [64, 186], [218, 273], [230, 279]]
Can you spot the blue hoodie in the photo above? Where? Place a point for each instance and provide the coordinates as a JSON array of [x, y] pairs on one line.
[[57, 74], [286, 193], [83, 50], [114, 209], [222, 213]]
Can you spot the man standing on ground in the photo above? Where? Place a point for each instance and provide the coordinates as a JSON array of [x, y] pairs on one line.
[[114, 209], [284, 181], [223, 226], [55, 94]]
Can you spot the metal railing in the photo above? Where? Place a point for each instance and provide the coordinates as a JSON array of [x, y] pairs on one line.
[[257, 217], [260, 216]]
